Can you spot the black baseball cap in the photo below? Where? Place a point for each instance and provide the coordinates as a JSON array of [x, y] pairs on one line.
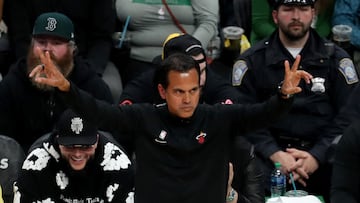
[[294, 3], [54, 24], [74, 130], [181, 43]]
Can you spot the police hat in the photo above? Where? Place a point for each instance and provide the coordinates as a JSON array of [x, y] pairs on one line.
[[294, 3]]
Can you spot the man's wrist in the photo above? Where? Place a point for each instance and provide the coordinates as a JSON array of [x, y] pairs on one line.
[[65, 87], [281, 94]]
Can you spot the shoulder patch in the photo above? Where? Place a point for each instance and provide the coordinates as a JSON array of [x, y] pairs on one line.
[[239, 70], [347, 68]]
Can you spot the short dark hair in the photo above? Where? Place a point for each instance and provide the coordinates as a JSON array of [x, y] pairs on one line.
[[178, 62]]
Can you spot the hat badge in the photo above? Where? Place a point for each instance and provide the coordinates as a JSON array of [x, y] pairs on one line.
[[293, 1], [77, 125], [51, 25]]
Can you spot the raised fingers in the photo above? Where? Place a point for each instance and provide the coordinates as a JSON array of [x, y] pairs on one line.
[[36, 71], [296, 64], [231, 174]]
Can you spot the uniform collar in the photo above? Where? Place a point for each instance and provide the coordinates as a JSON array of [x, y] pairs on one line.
[[314, 49]]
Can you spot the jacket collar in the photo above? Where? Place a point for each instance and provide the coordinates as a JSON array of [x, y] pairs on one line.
[[314, 49]]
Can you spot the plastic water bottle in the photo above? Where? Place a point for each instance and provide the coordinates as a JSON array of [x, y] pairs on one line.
[[278, 181]]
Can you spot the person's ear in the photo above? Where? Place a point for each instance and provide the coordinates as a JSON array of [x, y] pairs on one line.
[[162, 92], [97, 140], [75, 50], [274, 16]]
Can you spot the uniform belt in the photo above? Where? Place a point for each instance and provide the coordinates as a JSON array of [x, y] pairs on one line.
[[294, 142]]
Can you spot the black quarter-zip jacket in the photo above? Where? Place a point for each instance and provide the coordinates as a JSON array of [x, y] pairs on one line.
[[178, 160]]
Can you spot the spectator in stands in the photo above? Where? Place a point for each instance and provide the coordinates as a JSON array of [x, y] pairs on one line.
[[214, 88], [1, 199], [94, 24], [11, 158], [75, 163], [29, 110], [236, 13], [152, 21], [298, 141], [6, 55], [263, 24]]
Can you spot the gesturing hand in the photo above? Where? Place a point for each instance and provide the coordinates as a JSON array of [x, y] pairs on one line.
[[293, 77], [47, 73]]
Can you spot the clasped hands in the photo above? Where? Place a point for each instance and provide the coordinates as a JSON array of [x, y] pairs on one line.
[[298, 162]]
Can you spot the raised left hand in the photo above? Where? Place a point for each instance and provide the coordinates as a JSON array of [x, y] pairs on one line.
[[293, 77]]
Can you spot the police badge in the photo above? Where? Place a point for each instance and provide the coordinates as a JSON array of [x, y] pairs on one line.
[[318, 85]]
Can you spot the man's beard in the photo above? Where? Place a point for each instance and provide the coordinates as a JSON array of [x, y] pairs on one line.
[[295, 35], [64, 65]]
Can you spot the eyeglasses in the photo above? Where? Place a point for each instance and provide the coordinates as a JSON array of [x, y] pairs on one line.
[[78, 147]]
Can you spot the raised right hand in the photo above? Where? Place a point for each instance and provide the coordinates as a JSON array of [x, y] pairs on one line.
[[48, 73]]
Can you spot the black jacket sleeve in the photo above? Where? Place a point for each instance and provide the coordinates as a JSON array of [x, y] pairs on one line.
[[345, 182]]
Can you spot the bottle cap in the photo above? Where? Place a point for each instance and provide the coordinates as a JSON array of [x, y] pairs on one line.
[[277, 165]]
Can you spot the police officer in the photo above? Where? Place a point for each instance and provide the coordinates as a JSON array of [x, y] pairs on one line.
[[297, 141]]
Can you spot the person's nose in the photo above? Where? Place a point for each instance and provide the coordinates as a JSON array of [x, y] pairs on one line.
[[46, 46], [296, 13], [77, 152], [187, 98]]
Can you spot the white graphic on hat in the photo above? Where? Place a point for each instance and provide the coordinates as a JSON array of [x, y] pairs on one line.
[[77, 125], [291, 1], [51, 26]]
